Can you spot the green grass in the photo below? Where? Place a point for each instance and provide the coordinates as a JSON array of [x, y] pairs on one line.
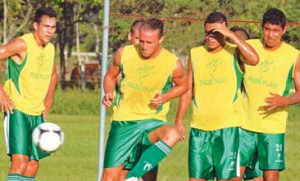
[[78, 158]]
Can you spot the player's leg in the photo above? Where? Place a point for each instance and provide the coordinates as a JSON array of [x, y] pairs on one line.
[[271, 175], [248, 150], [17, 139], [112, 174], [151, 175], [271, 155], [122, 141], [258, 179], [163, 139], [133, 159], [225, 149], [200, 156], [18, 164], [32, 168], [123, 175], [254, 174]]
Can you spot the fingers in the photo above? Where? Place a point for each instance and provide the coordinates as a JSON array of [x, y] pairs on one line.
[[107, 100], [157, 100], [7, 107]]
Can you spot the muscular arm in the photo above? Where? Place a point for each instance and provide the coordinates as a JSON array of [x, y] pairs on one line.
[[17, 50], [50, 94], [245, 52], [180, 80], [184, 102], [276, 100], [110, 79]]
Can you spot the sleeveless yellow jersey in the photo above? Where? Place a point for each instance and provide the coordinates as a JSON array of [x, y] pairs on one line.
[[217, 82], [274, 73], [27, 84], [142, 80]]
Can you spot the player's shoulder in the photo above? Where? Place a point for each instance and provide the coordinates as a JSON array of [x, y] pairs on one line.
[[254, 42], [289, 47], [198, 49]]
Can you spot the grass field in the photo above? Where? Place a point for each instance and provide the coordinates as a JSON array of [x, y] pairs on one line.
[[77, 160]]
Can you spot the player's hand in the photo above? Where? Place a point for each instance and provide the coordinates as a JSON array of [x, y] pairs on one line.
[[107, 100], [221, 28], [181, 130], [6, 103], [275, 101], [157, 100]]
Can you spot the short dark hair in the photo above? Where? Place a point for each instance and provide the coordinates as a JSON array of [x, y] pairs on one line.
[[237, 28], [136, 24], [275, 17], [154, 24], [44, 11], [215, 17]]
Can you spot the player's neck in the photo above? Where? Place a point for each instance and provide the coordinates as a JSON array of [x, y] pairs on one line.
[[272, 48], [38, 40]]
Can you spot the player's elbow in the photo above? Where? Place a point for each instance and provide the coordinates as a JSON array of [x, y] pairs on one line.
[[254, 61]]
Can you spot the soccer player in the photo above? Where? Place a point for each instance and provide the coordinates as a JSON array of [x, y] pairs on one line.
[[151, 77], [134, 39], [215, 78], [267, 88], [27, 94], [254, 172]]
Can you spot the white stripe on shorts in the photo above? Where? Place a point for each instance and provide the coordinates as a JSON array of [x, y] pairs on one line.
[[6, 131]]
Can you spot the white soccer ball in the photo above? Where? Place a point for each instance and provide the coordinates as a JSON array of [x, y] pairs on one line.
[[48, 137]]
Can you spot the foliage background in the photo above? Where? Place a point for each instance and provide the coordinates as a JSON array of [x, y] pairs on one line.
[[184, 27]]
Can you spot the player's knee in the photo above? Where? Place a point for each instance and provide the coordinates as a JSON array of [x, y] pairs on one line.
[[171, 136], [109, 175]]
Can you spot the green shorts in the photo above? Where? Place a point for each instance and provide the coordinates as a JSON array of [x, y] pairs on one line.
[[214, 153], [126, 140], [251, 173], [267, 149], [18, 128]]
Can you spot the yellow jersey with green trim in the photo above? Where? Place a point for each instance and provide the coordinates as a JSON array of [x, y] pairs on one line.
[[217, 89], [273, 74], [142, 80], [27, 83]]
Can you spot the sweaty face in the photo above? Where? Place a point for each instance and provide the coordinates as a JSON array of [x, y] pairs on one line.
[[45, 29], [272, 35], [214, 40], [150, 43]]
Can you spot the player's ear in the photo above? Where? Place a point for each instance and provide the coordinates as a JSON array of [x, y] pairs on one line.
[[129, 36], [35, 25], [161, 39]]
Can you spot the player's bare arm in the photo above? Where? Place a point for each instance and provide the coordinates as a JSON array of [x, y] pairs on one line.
[[17, 50], [179, 79], [276, 101], [245, 52], [184, 102], [50, 94], [110, 79]]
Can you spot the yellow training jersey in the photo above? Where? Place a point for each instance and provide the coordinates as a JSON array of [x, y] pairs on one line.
[[27, 84], [217, 81], [273, 74], [142, 80]]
